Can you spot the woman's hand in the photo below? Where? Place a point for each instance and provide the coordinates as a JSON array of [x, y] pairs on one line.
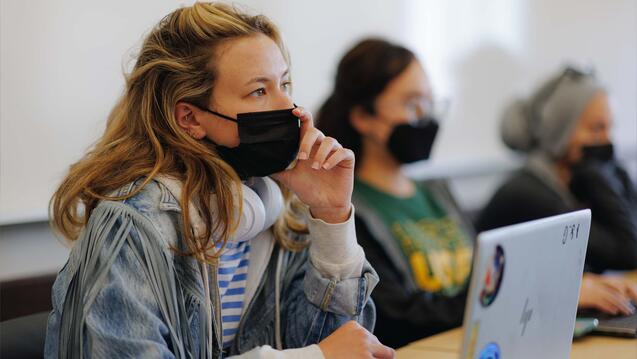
[[323, 177], [609, 294], [353, 341]]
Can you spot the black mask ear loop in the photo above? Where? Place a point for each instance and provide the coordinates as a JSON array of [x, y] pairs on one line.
[[228, 117], [220, 115]]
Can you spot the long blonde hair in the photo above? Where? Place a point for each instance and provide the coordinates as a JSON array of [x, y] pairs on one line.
[[142, 139]]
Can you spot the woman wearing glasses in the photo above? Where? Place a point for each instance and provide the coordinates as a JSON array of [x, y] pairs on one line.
[[564, 128], [413, 233]]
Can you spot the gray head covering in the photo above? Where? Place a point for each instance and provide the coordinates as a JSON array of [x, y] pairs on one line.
[[545, 121]]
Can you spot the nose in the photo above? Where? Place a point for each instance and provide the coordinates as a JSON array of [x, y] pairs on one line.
[[603, 134], [421, 111], [282, 100], [606, 135]]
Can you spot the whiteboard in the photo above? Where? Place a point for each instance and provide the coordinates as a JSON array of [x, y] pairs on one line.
[[62, 65]]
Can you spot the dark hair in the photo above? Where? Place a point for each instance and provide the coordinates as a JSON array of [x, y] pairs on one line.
[[362, 75]]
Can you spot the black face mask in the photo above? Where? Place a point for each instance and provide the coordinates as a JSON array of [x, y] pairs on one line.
[[413, 142], [268, 142], [599, 153]]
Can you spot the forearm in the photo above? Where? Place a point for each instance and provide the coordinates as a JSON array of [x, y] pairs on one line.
[[334, 250]]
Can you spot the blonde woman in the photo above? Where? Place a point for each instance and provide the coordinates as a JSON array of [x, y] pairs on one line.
[[195, 234]]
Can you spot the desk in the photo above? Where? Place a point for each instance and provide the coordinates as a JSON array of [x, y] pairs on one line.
[[447, 345]]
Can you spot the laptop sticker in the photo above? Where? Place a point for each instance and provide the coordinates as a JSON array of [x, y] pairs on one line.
[[491, 351], [493, 277]]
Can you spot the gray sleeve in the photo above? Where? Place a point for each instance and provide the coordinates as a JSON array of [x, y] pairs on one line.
[[334, 250]]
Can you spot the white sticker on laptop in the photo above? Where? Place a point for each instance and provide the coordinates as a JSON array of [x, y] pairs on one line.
[[493, 277]]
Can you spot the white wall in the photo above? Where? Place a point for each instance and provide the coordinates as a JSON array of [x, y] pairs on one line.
[[481, 54], [28, 250], [61, 65]]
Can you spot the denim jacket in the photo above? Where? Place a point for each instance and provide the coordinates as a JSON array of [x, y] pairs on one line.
[[126, 292]]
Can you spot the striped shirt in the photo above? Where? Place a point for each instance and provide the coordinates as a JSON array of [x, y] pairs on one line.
[[232, 276]]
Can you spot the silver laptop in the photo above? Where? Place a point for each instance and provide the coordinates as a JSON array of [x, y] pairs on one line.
[[524, 289]]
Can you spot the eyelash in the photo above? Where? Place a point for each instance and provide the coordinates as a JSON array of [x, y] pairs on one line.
[[261, 91], [258, 92]]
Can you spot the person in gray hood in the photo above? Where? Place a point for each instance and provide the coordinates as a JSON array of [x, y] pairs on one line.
[[564, 131], [212, 219]]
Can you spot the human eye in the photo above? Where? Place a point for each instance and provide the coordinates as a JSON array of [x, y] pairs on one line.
[[287, 86], [258, 92]]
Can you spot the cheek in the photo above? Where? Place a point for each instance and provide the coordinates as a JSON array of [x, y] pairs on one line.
[[574, 151], [382, 133], [224, 133]]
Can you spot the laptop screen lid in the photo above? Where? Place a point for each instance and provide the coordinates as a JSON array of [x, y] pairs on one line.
[[524, 289]]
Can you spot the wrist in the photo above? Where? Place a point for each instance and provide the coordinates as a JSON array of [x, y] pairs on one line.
[[332, 215], [324, 349]]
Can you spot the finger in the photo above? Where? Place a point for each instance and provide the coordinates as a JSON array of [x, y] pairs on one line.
[[341, 155], [328, 145], [632, 292], [605, 307], [382, 352], [619, 304], [280, 176], [624, 287], [307, 142], [307, 120], [305, 115], [377, 349], [616, 284]]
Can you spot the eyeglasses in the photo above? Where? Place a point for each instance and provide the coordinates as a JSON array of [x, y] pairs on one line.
[[437, 108], [578, 73]]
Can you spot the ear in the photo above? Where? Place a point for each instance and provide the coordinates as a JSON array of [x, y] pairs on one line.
[[186, 116], [361, 120]]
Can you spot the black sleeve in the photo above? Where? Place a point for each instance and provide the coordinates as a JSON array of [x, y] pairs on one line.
[[522, 198], [404, 316], [606, 189], [612, 242]]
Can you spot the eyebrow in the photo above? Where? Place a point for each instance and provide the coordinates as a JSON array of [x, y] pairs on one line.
[[265, 79], [416, 94]]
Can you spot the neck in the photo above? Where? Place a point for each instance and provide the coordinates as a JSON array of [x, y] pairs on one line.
[[563, 173], [379, 169]]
